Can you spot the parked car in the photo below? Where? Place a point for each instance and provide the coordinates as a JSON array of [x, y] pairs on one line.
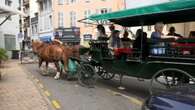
[[180, 98]]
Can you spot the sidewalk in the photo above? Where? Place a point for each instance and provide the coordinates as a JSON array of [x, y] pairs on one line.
[[17, 91]]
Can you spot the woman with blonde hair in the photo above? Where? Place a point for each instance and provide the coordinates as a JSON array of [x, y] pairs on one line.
[[155, 36]]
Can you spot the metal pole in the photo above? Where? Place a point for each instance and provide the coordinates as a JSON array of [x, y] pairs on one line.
[[142, 39], [5, 20]]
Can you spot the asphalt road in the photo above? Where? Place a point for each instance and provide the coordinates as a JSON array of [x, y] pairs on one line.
[[105, 96]]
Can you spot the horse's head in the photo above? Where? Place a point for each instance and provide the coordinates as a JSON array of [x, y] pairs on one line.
[[35, 45]]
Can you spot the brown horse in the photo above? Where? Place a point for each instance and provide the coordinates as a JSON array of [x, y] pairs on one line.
[[54, 53]]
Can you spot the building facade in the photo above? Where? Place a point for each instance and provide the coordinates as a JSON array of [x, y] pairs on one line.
[[26, 20], [54, 14], [9, 30], [45, 15], [34, 27], [34, 19]]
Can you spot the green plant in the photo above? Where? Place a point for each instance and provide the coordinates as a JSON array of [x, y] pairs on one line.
[[3, 55]]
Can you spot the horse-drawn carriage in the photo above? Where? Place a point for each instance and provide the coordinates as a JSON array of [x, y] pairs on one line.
[[169, 67]]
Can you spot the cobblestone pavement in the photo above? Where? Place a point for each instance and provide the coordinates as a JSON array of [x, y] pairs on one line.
[[17, 91]]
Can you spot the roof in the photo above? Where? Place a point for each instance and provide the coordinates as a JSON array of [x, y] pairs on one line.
[[6, 11], [170, 12]]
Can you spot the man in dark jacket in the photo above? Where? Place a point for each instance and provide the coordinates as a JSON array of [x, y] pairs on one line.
[[172, 32]]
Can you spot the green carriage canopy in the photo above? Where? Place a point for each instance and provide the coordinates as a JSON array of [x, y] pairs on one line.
[[169, 12]]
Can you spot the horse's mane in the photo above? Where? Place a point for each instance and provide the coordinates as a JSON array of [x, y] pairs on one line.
[[39, 44]]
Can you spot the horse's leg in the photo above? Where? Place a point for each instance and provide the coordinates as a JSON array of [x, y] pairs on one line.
[[57, 76], [61, 68], [46, 65], [40, 62], [65, 64]]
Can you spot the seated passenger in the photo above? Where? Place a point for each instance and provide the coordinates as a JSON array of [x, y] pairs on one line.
[[112, 28], [172, 32], [101, 33], [115, 41], [125, 40], [156, 36], [140, 44], [137, 42], [192, 34]]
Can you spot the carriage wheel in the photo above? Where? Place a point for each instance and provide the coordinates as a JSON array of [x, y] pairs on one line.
[[168, 78], [104, 74], [86, 75]]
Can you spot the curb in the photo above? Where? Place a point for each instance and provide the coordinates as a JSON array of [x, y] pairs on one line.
[[42, 90]]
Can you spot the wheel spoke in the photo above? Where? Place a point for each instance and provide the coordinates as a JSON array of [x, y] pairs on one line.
[[166, 79], [172, 78]]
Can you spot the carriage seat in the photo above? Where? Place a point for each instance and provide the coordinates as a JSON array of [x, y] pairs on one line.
[[122, 53]]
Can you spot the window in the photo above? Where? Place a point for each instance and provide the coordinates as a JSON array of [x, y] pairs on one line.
[[97, 11], [61, 19], [104, 10], [60, 2], [50, 21], [67, 2], [41, 6], [72, 1], [110, 9], [10, 42], [50, 5], [8, 2], [87, 13], [87, 1], [73, 19], [32, 29], [41, 24], [36, 28]]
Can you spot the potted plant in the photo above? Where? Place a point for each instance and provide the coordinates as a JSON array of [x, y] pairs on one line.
[[3, 56]]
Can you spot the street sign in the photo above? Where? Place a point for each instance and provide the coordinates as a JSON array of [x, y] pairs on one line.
[[68, 35], [87, 37]]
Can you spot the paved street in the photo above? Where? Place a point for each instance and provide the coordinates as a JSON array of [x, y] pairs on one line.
[[68, 95], [17, 91]]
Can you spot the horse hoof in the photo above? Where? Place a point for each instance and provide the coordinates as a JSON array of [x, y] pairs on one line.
[[56, 77]]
